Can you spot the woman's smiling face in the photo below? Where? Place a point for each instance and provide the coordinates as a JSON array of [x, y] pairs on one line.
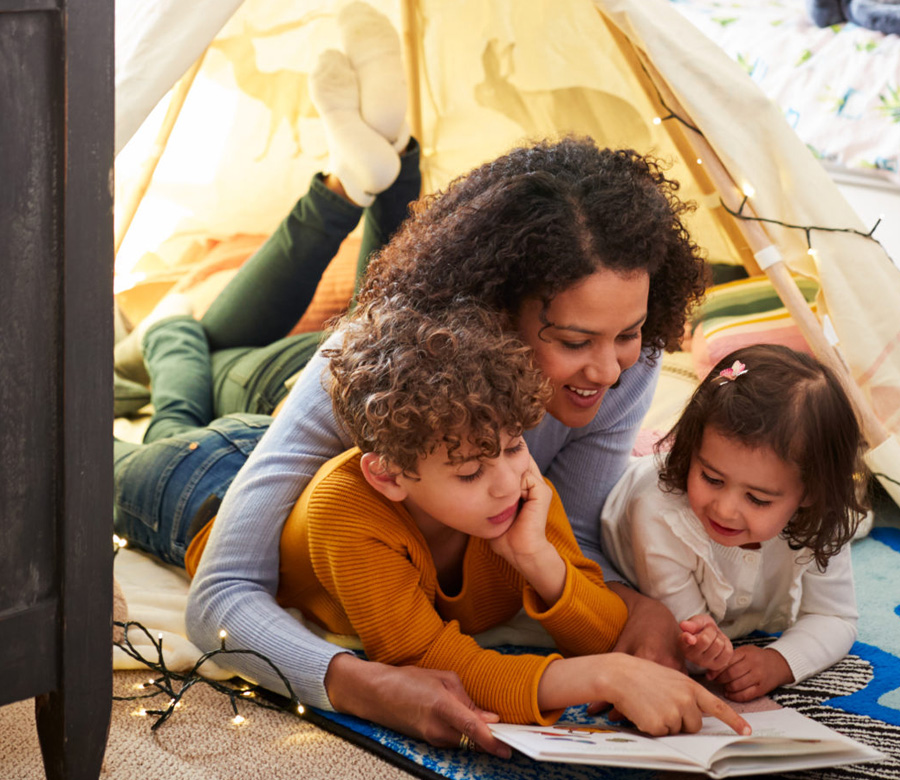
[[594, 334]]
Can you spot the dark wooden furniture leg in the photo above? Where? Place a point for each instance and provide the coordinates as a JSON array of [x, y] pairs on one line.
[[56, 141]]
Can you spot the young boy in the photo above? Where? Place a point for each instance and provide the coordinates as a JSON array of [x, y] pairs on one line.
[[438, 525]]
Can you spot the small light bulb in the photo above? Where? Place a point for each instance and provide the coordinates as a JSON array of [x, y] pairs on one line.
[[812, 252], [247, 694], [237, 720], [748, 190], [140, 713], [300, 709], [657, 120], [123, 543], [699, 161], [223, 633]]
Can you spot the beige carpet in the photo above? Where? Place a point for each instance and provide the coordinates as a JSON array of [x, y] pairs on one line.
[[199, 742]]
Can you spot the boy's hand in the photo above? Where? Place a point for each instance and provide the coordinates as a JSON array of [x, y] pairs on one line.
[[525, 545], [704, 644], [526, 538], [753, 672], [656, 699]]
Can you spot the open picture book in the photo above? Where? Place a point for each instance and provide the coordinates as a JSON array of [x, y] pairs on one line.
[[782, 740]]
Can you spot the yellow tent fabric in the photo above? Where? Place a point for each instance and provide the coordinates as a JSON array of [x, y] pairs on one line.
[[483, 77]]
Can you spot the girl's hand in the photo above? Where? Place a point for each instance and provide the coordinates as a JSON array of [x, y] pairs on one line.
[[704, 644], [753, 672]]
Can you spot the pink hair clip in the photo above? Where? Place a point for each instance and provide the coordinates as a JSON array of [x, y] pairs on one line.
[[737, 368]]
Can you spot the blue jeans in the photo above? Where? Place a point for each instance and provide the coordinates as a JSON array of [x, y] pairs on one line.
[[161, 485]]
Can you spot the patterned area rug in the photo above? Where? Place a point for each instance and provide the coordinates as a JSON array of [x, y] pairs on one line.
[[859, 697]]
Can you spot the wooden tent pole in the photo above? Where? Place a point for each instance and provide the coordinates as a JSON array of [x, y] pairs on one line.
[[778, 273], [411, 40], [678, 135], [179, 94]]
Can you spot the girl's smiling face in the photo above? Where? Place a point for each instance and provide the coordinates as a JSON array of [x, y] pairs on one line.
[[594, 334], [743, 496]]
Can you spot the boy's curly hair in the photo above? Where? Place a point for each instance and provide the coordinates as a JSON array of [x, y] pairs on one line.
[[791, 402], [404, 382], [539, 219]]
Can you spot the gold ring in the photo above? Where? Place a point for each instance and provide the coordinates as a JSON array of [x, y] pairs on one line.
[[466, 742]]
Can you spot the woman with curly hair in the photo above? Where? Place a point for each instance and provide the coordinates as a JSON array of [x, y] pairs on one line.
[[584, 253]]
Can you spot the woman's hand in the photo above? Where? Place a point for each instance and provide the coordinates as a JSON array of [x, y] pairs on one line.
[[425, 704], [525, 545], [651, 632], [704, 644], [658, 700], [753, 672]]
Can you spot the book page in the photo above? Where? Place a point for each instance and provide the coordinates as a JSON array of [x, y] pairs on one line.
[[781, 739], [593, 744]]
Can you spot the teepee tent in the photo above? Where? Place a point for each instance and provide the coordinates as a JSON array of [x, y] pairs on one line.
[[245, 140]]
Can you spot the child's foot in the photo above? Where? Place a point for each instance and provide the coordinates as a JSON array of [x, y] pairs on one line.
[[129, 352], [373, 48], [362, 159]]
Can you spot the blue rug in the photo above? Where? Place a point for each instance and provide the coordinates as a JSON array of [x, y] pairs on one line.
[[860, 696]]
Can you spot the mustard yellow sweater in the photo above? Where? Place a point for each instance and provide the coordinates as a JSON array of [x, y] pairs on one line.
[[356, 563]]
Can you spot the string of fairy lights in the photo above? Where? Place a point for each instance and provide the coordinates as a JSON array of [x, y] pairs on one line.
[[749, 192], [172, 685]]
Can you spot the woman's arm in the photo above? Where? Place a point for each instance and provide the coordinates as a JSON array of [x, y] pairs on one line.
[[234, 587], [237, 579]]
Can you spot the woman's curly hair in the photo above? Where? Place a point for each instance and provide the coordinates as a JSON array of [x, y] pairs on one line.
[[404, 382], [792, 403], [539, 219]]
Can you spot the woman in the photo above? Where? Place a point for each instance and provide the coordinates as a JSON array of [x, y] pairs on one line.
[[584, 251]]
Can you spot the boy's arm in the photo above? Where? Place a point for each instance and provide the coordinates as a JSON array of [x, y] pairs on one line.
[[383, 580], [657, 699], [587, 617]]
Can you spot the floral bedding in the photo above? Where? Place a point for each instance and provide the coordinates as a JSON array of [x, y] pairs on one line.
[[839, 86]]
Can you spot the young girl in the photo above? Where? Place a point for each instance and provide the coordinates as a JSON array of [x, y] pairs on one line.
[[744, 524]]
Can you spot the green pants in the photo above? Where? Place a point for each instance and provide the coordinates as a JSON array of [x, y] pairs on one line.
[[247, 322]]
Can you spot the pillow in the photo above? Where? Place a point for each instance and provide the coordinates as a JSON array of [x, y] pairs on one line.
[[742, 313]]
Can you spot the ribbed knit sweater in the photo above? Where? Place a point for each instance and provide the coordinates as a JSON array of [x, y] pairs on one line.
[[356, 563]]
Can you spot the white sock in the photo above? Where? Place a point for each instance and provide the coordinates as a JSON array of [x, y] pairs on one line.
[[362, 159], [373, 48]]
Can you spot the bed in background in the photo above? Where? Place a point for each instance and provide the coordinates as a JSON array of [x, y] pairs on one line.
[[838, 87]]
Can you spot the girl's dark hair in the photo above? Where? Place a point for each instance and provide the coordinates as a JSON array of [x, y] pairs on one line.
[[790, 402], [539, 219]]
